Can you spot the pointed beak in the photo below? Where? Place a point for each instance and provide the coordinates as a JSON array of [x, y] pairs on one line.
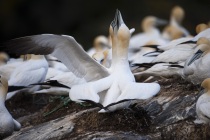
[[196, 56], [118, 20]]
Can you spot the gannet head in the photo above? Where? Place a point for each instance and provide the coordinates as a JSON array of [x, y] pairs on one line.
[[172, 32], [120, 30], [206, 84], [3, 87], [177, 13], [98, 56], [116, 23], [150, 22], [203, 45], [201, 27], [3, 58], [101, 42]]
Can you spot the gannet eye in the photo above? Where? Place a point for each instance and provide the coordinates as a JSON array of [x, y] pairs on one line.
[[101, 60]]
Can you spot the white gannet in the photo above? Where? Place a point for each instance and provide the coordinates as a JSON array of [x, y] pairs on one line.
[[203, 104], [174, 30], [163, 70], [141, 57], [100, 43], [196, 67], [29, 72], [32, 71], [120, 83], [179, 53], [201, 27], [7, 123], [150, 34], [103, 57]]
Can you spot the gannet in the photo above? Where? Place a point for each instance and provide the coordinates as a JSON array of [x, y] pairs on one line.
[[32, 71], [174, 30], [120, 83], [103, 57], [201, 27], [196, 67], [100, 43], [29, 72], [163, 70], [150, 33], [7, 123], [203, 104], [141, 57]]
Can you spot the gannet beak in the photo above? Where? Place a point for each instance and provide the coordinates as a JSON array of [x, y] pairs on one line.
[[195, 57], [118, 21]]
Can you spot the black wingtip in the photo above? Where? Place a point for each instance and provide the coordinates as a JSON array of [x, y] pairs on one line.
[[146, 65], [175, 65], [54, 83], [188, 42], [115, 103]]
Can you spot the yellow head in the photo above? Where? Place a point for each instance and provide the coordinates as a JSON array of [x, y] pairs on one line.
[[171, 32], [3, 58], [206, 84], [3, 87], [201, 27], [100, 42], [178, 13]]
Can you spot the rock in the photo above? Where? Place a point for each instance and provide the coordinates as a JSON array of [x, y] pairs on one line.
[[168, 115], [57, 128]]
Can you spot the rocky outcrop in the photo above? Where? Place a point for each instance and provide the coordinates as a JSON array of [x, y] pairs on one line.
[[169, 115]]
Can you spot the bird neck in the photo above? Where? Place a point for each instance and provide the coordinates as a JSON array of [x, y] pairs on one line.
[[208, 91], [122, 50], [2, 96], [37, 57], [114, 51]]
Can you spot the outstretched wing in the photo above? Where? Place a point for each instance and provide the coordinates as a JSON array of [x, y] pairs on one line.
[[65, 48]]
